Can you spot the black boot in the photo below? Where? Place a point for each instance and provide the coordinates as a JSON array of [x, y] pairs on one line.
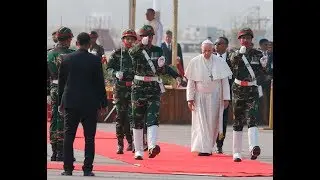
[[59, 152], [67, 170], [66, 173], [87, 170], [154, 151], [54, 151], [204, 154], [120, 146], [88, 173], [255, 152], [219, 150]]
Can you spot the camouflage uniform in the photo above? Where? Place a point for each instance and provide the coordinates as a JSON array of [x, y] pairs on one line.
[[245, 97], [95, 48], [48, 81], [122, 92], [55, 40], [54, 58], [146, 94], [98, 50]]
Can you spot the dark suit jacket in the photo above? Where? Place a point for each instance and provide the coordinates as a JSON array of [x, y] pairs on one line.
[[168, 53], [48, 81], [270, 63], [229, 64], [81, 82], [267, 80]]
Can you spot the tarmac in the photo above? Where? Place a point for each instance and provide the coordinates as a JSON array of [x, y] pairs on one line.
[[176, 134]]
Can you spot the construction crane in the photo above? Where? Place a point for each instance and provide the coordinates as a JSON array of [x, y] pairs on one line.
[[101, 23], [251, 19]]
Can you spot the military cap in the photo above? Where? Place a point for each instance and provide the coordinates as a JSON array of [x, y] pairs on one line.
[[64, 33], [146, 30], [93, 34], [129, 32], [245, 31]]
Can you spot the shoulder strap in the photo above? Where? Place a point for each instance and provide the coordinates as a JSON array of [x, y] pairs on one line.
[[149, 61], [252, 74], [248, 67], [162, 89]]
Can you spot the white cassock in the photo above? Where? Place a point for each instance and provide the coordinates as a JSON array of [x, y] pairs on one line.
[[158, 32], [209, 96]]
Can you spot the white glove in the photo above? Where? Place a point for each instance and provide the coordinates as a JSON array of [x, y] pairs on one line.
[[161, 61], [119, 75], [48, 100], [264, 61], [94, 52], [145, 40], [242, 50]]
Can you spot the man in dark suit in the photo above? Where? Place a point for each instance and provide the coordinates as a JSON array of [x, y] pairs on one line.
[[268, 79], [167, 50], [81, 94], [221, 46]]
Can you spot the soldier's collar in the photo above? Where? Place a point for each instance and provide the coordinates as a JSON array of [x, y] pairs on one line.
[[148, 46], [59, 45]]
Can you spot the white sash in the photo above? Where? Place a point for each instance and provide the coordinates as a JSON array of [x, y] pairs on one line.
[[154, 70], [251, 73]]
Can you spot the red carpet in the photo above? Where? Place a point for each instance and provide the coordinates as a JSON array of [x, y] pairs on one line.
[[173, 159]]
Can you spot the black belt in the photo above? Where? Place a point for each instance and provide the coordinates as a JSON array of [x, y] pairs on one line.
[[152, 83]]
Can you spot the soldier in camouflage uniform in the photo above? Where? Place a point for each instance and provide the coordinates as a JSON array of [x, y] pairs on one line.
[[146, 91], [54, 58], [120, 68], [54, 37], [95, 48], [249, 69], [55, 40]]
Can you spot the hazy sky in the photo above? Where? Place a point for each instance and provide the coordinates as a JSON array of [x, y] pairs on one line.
[[216, 13]]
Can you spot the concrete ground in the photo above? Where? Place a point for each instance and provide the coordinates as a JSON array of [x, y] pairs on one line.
[[177, 134]]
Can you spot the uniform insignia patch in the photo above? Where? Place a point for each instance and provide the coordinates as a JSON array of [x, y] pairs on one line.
[[255, 60]]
